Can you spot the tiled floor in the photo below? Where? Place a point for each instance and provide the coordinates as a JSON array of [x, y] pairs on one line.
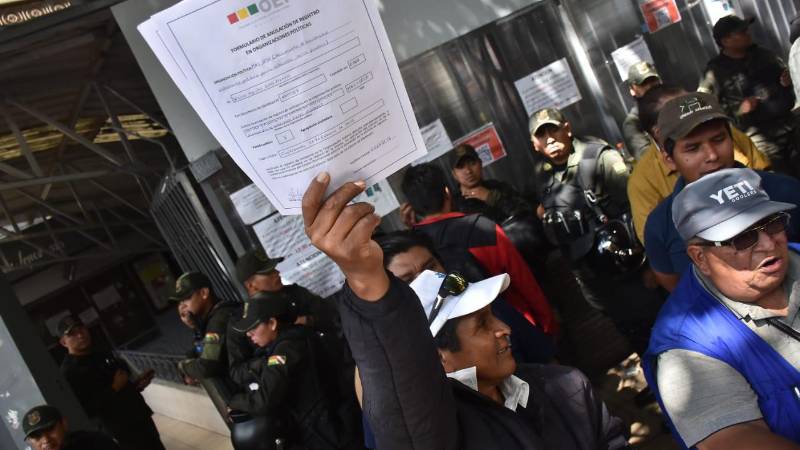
[[177, 435]]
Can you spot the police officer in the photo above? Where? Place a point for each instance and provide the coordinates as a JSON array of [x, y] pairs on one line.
[[46, 429], [209, 316], [642, 77], [582, 185], [106, 389], [290, 385]]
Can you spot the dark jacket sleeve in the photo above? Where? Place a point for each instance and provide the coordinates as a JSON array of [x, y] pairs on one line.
[[211, 363], [407, 398], [92, 389], [273, 373], [571, 393], [240, 350], [507, 201]]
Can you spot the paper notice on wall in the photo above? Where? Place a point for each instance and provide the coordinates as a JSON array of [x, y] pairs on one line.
[[284, 236], [381, 196], [628, 55], [88, 316], [717, 9], [292, 88], [659, 13], [486, 142], [437, 142], [551, 86], [106, 297], [251, 204]]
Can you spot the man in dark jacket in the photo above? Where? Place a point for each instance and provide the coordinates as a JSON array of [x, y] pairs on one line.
[[210, 316], [407, 397], [492, 198], [292, 386], [46, 429], [754, 88], [106, 389], [453, 234]]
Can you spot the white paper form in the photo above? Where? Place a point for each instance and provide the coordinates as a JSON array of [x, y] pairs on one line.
[[299, 86], [381, 196]]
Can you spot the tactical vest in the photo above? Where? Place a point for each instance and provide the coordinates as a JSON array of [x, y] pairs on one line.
[[572, 208], [694, 320]]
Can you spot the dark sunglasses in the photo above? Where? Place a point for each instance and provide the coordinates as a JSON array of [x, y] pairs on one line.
[[772, 225], [453, 284]]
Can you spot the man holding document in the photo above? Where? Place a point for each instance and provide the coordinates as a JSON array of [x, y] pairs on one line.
[[291, 88]]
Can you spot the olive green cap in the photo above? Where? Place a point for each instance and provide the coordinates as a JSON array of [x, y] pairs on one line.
[[545, 116]]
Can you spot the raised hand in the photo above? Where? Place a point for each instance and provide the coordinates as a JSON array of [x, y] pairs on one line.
[[344, 233]]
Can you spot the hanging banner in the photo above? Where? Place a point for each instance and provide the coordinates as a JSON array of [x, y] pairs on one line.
[[551, 86], [437, 142], [717, 9], [486, 142], [659, 13], [628, 55]]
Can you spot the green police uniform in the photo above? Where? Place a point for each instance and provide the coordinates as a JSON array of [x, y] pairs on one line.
[[212, 358]]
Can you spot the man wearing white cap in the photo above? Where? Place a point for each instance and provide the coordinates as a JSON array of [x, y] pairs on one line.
[[492, 403], [725, 351]]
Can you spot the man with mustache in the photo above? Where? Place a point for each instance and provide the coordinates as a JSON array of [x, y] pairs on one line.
[[725, 351], [582, 186], [695, 139]]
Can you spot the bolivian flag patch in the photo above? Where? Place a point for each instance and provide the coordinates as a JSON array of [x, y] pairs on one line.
[[276, 360]]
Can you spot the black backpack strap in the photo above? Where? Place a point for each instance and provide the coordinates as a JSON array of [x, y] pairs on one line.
[[587, 176]]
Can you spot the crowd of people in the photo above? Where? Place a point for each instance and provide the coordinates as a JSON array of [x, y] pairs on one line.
[[442, 336]]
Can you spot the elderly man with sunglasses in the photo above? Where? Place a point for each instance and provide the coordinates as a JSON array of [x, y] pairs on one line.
[[725, 351], [404, 341]]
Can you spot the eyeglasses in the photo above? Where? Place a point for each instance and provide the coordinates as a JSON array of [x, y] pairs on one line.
[[772, 225], [453, 284]]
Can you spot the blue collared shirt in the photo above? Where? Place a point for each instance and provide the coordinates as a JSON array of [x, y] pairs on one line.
[[664, 246]]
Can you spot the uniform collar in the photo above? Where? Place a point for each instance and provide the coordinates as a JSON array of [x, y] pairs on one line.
[[743, 311], [515, 390]]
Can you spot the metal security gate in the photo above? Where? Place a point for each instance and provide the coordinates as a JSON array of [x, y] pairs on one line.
[[191, 235]]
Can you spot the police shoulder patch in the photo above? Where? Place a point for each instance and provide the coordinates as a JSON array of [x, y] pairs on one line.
[[276, 360], [211, 338]]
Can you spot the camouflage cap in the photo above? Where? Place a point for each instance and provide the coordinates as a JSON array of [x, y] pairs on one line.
[[682, 114], [187, 283], [40, 418], [641, 72], [545, 116], [253, 262]]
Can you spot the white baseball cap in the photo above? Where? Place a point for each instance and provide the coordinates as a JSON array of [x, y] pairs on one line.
[[475, 296]]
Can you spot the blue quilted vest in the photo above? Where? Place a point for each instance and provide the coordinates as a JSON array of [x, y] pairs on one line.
[[694, 320]]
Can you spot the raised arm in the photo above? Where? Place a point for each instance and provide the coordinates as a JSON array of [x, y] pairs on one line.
[[407, 398]]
